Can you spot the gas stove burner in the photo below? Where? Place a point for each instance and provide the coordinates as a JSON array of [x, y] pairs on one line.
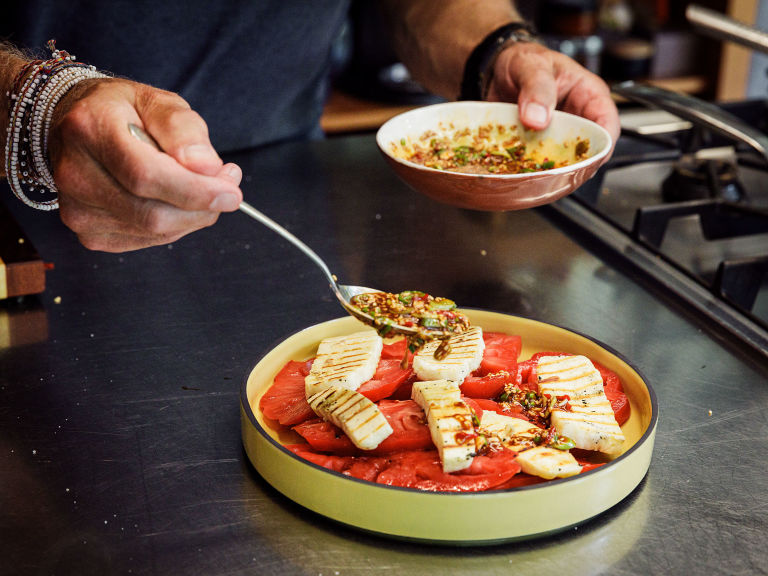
[[699, 179]]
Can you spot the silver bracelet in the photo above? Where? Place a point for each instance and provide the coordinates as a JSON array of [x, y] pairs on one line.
[[37, 89]]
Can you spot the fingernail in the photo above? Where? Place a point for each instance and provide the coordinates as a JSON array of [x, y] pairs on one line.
[[200, 152], [225, 203], [536, 114]]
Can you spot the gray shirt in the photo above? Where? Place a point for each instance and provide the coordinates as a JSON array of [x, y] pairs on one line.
[[257, 71]]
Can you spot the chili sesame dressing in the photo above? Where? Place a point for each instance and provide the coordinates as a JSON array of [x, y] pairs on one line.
[[431, 317], [489, 149]]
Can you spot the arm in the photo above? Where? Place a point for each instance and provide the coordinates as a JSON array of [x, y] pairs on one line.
[[115, 192], [434, 38]]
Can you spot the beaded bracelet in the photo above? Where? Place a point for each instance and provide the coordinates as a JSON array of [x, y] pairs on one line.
[[36, 90]]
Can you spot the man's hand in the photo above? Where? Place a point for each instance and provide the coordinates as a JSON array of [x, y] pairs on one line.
[[118, 193], [540, 80]]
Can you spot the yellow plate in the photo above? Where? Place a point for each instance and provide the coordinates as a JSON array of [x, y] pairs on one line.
[[450, 518]]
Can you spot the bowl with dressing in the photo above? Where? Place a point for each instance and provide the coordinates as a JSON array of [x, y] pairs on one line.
[[478, 155]]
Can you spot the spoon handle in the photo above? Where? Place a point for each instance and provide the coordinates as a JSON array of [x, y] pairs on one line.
[[269, 223]]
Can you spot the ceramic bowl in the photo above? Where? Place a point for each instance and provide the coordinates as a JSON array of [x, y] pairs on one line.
[[493, 191]]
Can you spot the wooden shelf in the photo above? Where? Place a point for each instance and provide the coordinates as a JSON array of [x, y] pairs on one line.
[[346, 113]]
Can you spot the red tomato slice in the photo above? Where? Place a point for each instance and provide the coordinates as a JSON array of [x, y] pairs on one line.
[[409, 431], [419, 469], [394, 350], [514, 411], [424, 471], [619, 403], [488, 386], [501, 353], [404, 391], [285, 401], [389, 377], [363, 467]]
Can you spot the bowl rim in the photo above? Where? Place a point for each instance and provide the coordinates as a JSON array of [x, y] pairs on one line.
[[598, 156]]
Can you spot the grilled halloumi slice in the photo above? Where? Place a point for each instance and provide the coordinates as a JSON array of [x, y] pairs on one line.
[[434, 393], [516, 434], [548, 463], [591, 423], [344, 361], [449, 420], [359, 418], [506, 428], [465, 356]]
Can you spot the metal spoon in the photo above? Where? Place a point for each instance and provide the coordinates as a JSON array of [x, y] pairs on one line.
[[343, 292]]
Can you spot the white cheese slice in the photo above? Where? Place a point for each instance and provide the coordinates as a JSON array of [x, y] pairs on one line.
[[548, 463], [345, 361], [505, 428], [359, 418], [465, 356], [435, 392], [591, 422], [449, 420]]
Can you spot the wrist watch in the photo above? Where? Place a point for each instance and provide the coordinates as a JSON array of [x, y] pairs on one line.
[[478, 70]]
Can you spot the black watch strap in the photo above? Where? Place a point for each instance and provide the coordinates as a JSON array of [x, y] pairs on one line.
[[479, 67]]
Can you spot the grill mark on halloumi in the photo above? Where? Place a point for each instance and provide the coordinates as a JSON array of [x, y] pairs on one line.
[[346, 361], [447, 417], [465, 356], [359, 418], [591, 423]]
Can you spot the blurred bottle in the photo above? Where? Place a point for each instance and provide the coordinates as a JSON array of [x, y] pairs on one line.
[[570, 26]]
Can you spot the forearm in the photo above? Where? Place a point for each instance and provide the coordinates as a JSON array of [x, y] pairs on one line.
[[434, 38], [11, 62]]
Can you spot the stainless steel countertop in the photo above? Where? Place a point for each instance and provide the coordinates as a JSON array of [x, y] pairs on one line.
[[120, 447]]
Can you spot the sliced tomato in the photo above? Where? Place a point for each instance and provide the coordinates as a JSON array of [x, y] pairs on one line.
[[488, 386], [514, 411], [501, 353], [285, 400], [419, 469], [619, 403], [394, 350], [389, 376], [409, 431], [524, 379], [585, 458], [423, 470], [363, 467], [404, 391]]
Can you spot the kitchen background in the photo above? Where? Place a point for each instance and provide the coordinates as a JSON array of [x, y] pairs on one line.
[[618, 39]]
